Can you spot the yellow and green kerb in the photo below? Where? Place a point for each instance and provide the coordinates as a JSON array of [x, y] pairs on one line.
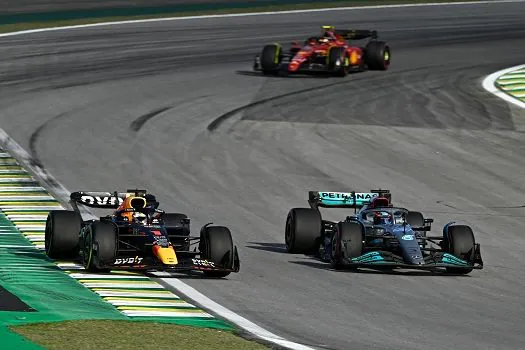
[[513, 84], [24, 206]]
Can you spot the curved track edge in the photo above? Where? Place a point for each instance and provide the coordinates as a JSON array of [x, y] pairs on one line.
[[489, 84]]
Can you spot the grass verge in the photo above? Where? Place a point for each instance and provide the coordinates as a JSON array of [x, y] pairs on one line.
[[5, 28], [102, 334]]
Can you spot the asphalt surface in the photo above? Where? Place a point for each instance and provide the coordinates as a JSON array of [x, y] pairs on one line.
[[121, 107]]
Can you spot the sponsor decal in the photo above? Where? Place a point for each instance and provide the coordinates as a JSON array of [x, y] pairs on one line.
[[408, 237], [161, 241], [205, 263], [127, 261], [347, 196], [101, 200]]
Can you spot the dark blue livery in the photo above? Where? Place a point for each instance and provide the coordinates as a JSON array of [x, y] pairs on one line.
[[378, 235]]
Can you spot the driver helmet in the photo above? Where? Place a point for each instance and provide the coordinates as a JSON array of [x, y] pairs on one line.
[[329, 32], [382, 217]]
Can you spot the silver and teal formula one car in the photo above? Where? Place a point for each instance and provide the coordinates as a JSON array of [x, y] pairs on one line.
[[378, 235]]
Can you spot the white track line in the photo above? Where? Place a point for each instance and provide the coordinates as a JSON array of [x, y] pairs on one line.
[[185, 18], [220, 310], [63, 194], [489, 84]]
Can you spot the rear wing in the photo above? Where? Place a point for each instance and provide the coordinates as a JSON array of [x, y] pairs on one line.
[[357, 34], [102, 200], [352, 199]]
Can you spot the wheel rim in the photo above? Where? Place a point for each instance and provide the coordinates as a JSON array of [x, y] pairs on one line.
[[335, 246], [386, 57], [88, 250]]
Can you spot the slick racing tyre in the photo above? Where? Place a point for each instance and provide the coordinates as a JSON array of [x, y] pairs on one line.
[[62, 234], [415, 219], [459, 241], [271, 56], [176, 227], [347, 243], [217, 246], [338, 61], [377, 55], [303, 229], [100, 246]]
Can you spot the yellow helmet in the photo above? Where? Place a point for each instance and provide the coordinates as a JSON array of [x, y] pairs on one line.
[[328, 28]]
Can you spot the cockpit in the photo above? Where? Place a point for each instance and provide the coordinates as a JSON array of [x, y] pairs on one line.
[[385, 216]]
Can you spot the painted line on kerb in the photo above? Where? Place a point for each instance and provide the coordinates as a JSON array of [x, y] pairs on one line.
[[21, 208], [514, 96]]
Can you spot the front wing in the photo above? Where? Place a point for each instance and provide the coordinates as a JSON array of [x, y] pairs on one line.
[[186, 263], [283, 66], [377, 259]]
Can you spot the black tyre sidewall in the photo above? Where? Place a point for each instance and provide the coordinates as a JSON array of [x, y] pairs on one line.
[[415, 219], [173, 220], [303, 228], [459, 240], [62, 234], [104, 236], [375, 55], [268, 57], [350, 233], [218, 248], [334, 54]]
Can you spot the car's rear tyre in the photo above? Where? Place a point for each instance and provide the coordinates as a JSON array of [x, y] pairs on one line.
[[175, 226], [303, 229], [377, 55], [62, 234], [459, 241], [217, 247], [415, 219], [338, 62], [100, 246], [347, 243], [271, 57]]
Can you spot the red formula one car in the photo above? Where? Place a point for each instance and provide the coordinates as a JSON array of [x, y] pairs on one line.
[[330, 53]]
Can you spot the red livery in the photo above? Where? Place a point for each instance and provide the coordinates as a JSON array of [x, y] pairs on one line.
[[330, 53]]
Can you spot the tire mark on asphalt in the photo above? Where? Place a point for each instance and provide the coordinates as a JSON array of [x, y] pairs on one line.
[[33, 139], [138, 123]]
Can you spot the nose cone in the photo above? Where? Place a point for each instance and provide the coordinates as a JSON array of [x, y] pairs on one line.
[[409, 245], [293, 66], [166, 255]]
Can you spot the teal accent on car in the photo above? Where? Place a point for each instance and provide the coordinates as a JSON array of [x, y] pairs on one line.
[[372, 257], [346, 198], [451, 259]]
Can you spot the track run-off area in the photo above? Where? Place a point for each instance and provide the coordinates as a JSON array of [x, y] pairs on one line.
[[123, 106]]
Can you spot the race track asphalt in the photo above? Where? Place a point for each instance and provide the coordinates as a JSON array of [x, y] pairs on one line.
[[129, 106]]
